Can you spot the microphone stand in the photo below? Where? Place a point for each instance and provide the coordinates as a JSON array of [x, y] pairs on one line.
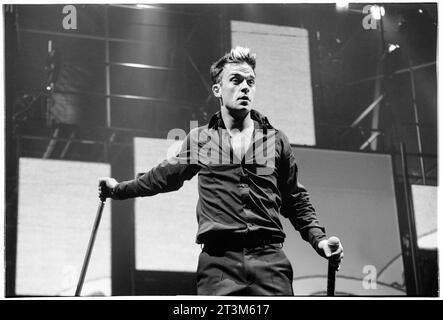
[[90, 246], [333, 244]]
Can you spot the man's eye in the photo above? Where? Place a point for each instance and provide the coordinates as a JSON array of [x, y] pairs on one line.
[[251, 82], [235, 80]]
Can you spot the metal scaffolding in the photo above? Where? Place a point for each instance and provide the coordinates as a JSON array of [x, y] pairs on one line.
[[112, 134]]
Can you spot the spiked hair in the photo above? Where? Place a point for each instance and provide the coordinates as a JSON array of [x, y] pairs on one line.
[[236, 55]]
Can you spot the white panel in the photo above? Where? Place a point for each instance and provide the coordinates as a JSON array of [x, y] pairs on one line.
[[425, 211], [57, 206], [284, 91], [354, 196], [165, 224]]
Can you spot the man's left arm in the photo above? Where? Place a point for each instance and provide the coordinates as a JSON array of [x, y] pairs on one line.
[[297, 207]]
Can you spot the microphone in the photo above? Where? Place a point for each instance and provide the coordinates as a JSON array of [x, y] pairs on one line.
[[333, 243], [104, 191]]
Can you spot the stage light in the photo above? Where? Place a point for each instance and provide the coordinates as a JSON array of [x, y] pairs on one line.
[[392, 47], [420, 11], [377, 12], [145, 6], [342, 5], [49, 88]]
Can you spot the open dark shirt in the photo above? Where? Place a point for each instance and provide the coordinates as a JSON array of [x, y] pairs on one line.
[[235, 195]]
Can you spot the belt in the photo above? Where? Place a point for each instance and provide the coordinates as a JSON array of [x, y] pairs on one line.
[[241, 240]]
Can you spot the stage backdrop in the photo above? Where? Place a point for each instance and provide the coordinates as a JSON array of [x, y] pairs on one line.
[[284, 89], [57, 205], [166, 224], [355, 199], [425, 212], [352, 192]]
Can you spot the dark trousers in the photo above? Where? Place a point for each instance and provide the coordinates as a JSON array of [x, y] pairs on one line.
[[258, 271]]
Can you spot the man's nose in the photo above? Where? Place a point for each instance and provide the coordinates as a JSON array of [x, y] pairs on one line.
[[245, 87]]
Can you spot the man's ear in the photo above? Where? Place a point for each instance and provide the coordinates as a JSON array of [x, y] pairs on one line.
[[216, 90]]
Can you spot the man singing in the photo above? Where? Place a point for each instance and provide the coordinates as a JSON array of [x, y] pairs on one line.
[[247, 178]]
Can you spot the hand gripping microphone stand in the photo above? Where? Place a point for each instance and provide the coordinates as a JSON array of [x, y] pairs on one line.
[[90, 246], [333, 243]]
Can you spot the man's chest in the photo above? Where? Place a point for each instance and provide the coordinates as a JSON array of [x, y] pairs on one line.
[[240, 143], [220, 148]]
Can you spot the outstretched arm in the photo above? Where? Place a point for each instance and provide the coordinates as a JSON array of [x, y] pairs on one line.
[[165, 177]]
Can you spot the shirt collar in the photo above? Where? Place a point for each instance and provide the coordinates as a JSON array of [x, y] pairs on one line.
[[216, 121]]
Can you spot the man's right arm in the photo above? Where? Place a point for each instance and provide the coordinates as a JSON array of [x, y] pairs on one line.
[[165, 177], [168, 176]]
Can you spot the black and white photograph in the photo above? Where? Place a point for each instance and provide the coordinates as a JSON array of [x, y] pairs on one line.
[[206, 150]]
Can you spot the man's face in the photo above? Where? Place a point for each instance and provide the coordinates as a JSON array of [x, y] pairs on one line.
[[236, 88]]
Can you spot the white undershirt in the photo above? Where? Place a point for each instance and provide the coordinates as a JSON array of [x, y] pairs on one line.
[[241, 140]]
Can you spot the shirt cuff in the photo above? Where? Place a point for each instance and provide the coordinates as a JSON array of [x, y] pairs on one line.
[[118, 192], [316, 234]]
